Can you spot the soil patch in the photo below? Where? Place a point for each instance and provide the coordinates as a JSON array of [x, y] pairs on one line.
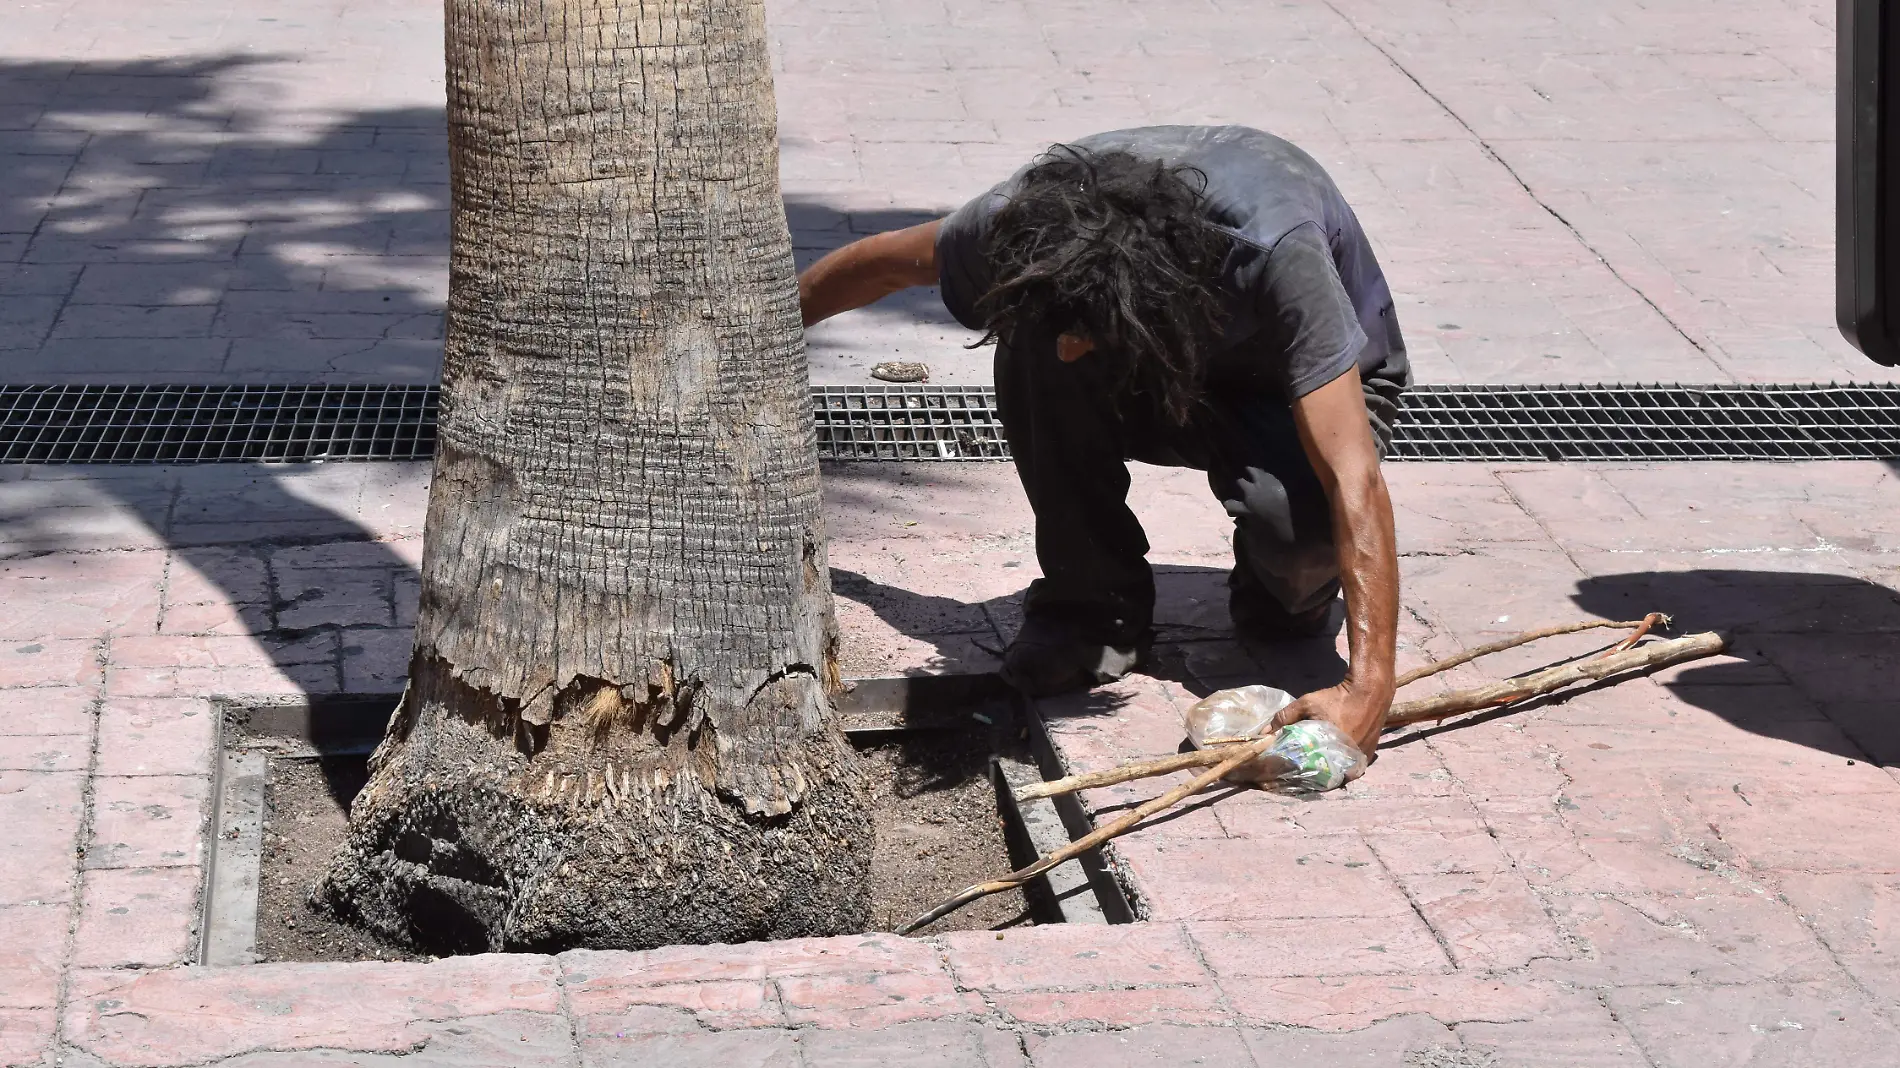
[[938, 831], [306, 818]]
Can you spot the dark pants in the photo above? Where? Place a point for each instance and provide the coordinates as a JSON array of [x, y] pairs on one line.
[[1071, 439]]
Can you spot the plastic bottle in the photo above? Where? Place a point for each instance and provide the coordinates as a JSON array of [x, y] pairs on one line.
[[1310, 756]]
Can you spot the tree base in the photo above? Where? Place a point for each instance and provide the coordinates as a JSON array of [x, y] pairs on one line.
[[465, 860]]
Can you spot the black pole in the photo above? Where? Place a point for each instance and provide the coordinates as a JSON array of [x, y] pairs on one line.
[[1867, 178]]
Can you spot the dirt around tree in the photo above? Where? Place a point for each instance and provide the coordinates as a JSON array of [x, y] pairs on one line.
[[938, 831]]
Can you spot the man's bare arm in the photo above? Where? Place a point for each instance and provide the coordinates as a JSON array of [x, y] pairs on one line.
[[869, 270], [1338, 440]]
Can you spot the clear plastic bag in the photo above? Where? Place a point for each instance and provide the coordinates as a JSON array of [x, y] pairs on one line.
[[1311, 756]]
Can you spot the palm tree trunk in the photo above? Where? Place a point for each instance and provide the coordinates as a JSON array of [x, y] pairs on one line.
[[617, 731]]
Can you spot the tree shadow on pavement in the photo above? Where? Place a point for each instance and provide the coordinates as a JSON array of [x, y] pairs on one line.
[[174, 221], [1804, 649], [161, 222], [169, 221]]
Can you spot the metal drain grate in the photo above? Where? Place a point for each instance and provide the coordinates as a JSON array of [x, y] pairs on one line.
[[214, 424], [1658, 422], [211, 424], [908, 423]]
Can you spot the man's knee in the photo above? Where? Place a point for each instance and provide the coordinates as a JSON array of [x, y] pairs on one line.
[[1283, 545]]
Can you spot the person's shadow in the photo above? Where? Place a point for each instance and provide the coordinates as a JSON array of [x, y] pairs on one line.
[[1804, 650], [1195, 643]]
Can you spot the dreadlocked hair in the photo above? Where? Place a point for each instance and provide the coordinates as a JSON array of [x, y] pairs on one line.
[[1114, 247]]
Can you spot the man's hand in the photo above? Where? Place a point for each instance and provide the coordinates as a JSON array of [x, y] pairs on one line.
[[1360, 717]]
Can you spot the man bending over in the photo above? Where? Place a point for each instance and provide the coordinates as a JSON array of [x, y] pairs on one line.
[[1191, 296]]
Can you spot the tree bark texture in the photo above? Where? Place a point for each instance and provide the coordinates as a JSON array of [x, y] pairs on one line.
[[617, 731]]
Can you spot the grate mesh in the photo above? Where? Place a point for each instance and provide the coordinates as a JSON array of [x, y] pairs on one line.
[[908, 423], [211, 424], [1655, 422]]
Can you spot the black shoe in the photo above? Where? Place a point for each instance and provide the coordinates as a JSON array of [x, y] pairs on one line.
[[1052, 656]]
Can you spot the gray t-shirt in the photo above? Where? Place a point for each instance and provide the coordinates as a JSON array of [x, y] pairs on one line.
[[1305, 298]]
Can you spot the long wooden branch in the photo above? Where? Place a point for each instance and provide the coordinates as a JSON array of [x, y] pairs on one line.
[[1641, 626], [1656, 654], [1549, 680]]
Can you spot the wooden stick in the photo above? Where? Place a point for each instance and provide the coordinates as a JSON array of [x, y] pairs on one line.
[[1549, 680], [1656, 654], [1232, 757], [1140, 769], [1651, 620], [1641, 626]]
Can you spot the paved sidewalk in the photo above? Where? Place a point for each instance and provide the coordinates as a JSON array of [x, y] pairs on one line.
[[1688, 871], [1627, 190]]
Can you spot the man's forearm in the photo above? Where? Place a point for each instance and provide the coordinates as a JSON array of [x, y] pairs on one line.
[[1369, 572], [867, 271]]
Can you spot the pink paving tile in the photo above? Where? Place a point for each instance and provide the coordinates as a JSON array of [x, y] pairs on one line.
[[610, 971], [927, 1044], [216, 618], [1237, 879], [1814, 832], [190, 1015], [501, 1040], [216, 575], [1191, 1005], [1348, 1003], [716, 1005], [1737, 937], [1576, 1032], [1137, 716], [1272, 948], [69, 662], [731, 1049], [376, 660], [1465, 846], [872, 1000], [46, 752], [1397, 1043], [1492, 761], [875, 650], [1758, 1025], [1858, 917], [603, 1029], [346, 558], [335, 597], [26, 1035], [147, 821], [1340, 813], [1067, 956], [46, 712], [80, 595], [32, 943], [138, 917], [1834, 667], [1505, 589], [1805, 755], [1455, 508], [40, 816], [156, 736], [1141, 1047], [1488, 921], [1690, 867], [196, 667]]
